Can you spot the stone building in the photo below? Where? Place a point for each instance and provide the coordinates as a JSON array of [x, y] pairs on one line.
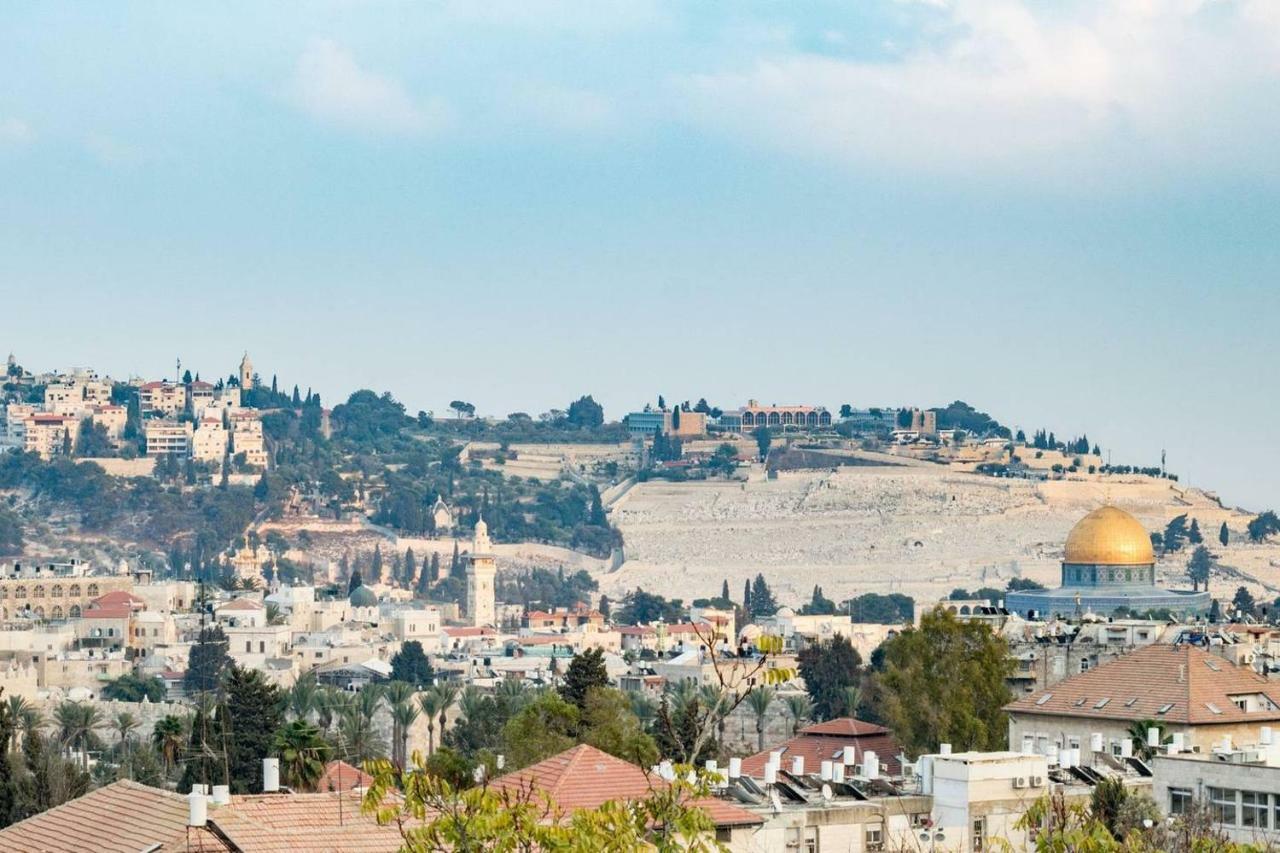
[[482, 570]]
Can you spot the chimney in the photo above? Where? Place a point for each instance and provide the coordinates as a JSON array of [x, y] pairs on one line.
[[270, 775], [197, 807]]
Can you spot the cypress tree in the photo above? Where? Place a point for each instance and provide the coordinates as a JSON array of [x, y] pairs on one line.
[[746, 597], [724, 590], [410, 568], [1224, 535]]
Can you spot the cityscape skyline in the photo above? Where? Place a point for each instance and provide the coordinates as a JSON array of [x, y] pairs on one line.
[[548, 199]]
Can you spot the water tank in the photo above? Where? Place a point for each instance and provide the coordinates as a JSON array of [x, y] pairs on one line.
[[221, 795], [735, 768], [870, 765], [1153, 736], [797, 766], [270, 775], [1095, 742], [197, 808], [849, 754]]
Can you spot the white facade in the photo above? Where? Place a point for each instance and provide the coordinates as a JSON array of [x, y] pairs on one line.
[[978, 796], [482, 571]]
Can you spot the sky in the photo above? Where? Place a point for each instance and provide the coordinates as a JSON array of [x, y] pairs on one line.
[[1065, 213]]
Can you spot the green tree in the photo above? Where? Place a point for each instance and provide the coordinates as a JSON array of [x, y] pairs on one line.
[[586, 671], [763, 440], [543, 728], [251, 713], [828, 667], [1262, 526], [77, 724], [609, 723], [131, 687], [411, 665], [1224, 535], [355, 581], [10, 531], [207, 661], [1193, 533], [1199, 567], [585, 412], [1175, 532], [302, 751], [167, 736], [759, 700], [1243, 602], [762, 601], [944, 681], [640, 608], [376, 570], [800, 708]]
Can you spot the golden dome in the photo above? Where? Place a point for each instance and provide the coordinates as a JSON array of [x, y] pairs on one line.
[[1109, 537]]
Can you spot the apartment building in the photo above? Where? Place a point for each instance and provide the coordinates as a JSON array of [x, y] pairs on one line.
[[164, 398], [168, 438]]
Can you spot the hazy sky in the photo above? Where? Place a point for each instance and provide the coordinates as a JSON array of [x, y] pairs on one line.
[[1065, 213]]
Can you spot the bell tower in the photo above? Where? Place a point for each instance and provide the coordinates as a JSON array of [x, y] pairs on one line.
[[482, 571], [246, 372]]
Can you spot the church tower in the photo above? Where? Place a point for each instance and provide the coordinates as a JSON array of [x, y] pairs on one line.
[[246, 372], [482, 572]]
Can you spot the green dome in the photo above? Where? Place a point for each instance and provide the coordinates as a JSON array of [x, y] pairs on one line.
[[362, 596]]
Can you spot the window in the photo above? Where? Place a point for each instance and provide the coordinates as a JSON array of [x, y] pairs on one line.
[[248, 646], [874, 839], [979, 833], [262, 646], [1222, 805], [1253, 809], [802, 838]]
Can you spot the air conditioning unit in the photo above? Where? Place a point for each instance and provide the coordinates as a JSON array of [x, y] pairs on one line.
[[1037, 781], [1020, 782]]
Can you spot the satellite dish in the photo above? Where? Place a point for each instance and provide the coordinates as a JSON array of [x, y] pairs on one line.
[[775, 800], [826, 793]]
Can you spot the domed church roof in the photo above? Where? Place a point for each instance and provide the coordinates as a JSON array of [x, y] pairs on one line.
[[1109, 537], [362, 596]]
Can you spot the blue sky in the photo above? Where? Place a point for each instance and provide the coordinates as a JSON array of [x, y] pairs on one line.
[[1065, 213]]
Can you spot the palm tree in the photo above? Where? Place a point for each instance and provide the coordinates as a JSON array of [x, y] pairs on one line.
[[274, 614], [399, 696], [1138, 734], [76, 723], [447, 695], [759, 699], [167, 736], [303, 752], [304, 696], [357, 738], [18, 706], [31, 721], [429, 703], [124, 723], [852, 699], [329, 703], [512, 693], [403, 716], [800, 709], [645, 709], [713, 698], [469, 701]]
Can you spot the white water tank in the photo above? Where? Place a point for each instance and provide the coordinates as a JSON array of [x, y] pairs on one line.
[[837, 772], [735, 768], [944, 749], [1095, 742], [1153, 736], [870, 765], [850, 755], [825, 773], [1028, 745], [797, 766], [197, 808], [770, 774], [270, 775], [221, 795]]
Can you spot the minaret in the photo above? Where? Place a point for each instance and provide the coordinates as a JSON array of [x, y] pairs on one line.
[[246, 372], [481, 574]]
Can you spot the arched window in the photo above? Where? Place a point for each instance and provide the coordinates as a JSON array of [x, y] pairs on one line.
[[4, 592], [964, 610], [56, 591], [56, 613], [38, 591], [813, 418], [74, 592], [93, 590], [39, 613], [787, 418], [748, 419], [19, 592], [825, 419], [774, 419], [74, 612]]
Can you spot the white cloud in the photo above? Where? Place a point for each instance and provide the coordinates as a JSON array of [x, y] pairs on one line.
[[329, 85], [1021, 87], [15, 131]]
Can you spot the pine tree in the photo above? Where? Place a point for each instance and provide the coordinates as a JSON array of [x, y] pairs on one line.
[[1193, 533], [274, 390], [586, 671], [435, 566], [746, 596], [296, 400], [762, 600], [1224, 535], [605, 606], [456, 563], [410, 568], [724, 590]]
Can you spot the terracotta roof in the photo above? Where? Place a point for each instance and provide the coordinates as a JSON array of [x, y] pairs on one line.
[[826, 742], [114, 611], [303, 823], [119, 597], [468, 632], [585, 777], [123, 816], [341, 776], [1181, 684]]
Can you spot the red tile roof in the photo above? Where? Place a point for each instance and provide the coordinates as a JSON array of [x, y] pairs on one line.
[[826, 742], [242, 604], [120, 597], [115, 611], [1181, 684], [341, 776], [585, 777]]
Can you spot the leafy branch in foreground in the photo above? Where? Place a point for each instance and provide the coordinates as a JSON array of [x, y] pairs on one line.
[[433, 814]]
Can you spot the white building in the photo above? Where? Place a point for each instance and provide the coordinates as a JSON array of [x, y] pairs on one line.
[[1240, 784], [168, 438], [482, 570]]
